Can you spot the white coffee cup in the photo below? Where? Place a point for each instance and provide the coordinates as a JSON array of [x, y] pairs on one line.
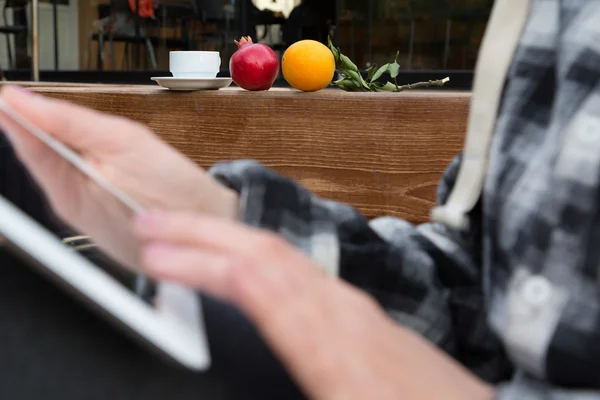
[[194, 64]]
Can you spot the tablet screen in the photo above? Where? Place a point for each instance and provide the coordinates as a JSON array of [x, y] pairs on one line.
[[140, 285]]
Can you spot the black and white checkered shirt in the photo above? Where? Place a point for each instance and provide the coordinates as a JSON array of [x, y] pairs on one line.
[[515, 298]]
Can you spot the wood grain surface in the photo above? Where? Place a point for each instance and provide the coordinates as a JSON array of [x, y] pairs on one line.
[[382, 153]]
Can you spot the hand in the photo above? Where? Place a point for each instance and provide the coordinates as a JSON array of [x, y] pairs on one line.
[[334, 340], [126, 153]]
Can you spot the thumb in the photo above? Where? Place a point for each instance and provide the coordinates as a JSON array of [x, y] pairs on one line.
[[31, 151], [80, 128], [46, 166]]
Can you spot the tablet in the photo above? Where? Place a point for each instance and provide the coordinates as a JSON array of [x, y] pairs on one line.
[[171, 325]]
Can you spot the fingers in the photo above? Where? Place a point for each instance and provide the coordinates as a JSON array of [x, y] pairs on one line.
[[245, 255], [280, 290], [205, 270], [257, 270], [270, 288], [78, 127], [213, 234], [255, 288], [248, 250], [256, 256]]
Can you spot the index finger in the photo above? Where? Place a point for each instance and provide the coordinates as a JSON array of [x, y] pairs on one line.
[[206, 231]]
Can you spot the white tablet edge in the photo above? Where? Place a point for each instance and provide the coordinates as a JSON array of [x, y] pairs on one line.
[[172, 330]]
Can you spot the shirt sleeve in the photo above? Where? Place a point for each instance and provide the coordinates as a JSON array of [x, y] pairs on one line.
[[426, 277], [525, 387]]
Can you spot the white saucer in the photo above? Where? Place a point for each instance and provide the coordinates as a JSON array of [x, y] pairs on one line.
[[173, 83]]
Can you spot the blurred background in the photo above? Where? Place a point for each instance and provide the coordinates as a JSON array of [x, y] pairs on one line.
[[129, 40]]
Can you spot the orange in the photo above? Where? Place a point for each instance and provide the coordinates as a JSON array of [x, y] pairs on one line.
[[308, 65]]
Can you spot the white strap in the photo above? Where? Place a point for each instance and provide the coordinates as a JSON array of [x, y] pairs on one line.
[[500, 41]]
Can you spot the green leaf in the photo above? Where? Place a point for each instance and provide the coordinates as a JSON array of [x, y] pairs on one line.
[[338, 61], [394, 70], [371, 72], [348, 85], [334, 50], [372, 87], [347, 63], [354, 75], [379, 72], [376, 86], [353, 88], [388, 87], [364, 83], [356, 78]]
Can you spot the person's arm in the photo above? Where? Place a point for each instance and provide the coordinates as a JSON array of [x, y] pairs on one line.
[[333, 339], [426, 277]]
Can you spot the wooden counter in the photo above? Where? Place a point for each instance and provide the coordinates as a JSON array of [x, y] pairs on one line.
[[383, 153]]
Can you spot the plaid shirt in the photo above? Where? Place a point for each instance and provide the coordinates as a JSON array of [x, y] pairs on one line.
[[515, 297]]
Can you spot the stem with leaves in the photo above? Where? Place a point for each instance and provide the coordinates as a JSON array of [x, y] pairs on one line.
[[352, 81]]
